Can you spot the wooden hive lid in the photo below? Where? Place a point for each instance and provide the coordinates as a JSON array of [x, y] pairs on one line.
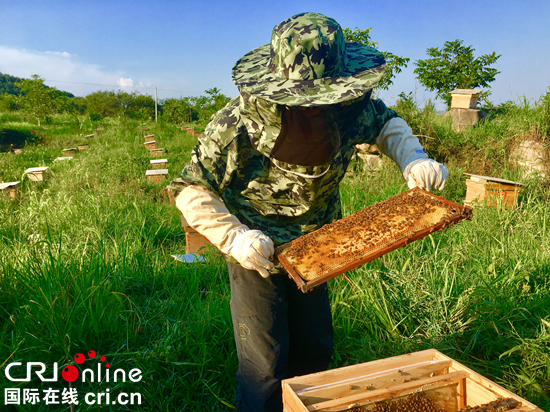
[[466, 91], [8, 184], [154, 161], [156, 172], [483, 179], [36, 169]]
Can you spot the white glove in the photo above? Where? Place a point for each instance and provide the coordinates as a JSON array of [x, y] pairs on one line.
[[207, 214], [398, 143], [252, 249], [426, 174]]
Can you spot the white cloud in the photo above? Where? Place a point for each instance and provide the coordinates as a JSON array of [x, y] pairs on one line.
[[62, 70], [122, 82]]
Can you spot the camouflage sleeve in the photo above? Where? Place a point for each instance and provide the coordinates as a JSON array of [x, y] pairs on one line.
[[212, 160], [372, 121]]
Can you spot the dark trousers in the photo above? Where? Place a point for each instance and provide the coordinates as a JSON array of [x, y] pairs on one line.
[[280, 332]]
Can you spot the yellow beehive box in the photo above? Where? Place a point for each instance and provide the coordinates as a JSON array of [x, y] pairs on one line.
[[450, 385], [37, 174], [464, 98], [69, 152], [11, 188], [491, 191], [156, 152], [194, 241], [158, 163]]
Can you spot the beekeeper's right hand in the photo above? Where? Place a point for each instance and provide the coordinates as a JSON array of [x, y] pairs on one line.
[[207, 214]]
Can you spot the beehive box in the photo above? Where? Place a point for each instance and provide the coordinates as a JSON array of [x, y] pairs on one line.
[[492, 191], [82, 146], [158, 163], [194, 241], [89, 136], [69, 152], [63, 158], [366, 235], [464, 98], [156, 152], [150, 145], [149, 138], [450, 385], [36, 174], [157, 174], [11, 188]]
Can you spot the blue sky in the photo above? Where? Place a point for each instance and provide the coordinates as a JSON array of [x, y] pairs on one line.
[[186, 47]]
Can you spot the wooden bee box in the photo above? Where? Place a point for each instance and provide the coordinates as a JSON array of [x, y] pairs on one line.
[[194, 241], [149, 138], [11, 188], [36, 174], [156, 152], [157, 174], [158, 163], [464, 98], [491, 190], [449, 384], [150, 145], [69, 152], [89, 136], [82, 146]]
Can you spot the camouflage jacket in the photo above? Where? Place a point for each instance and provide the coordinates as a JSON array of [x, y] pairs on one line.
[[232, 160]]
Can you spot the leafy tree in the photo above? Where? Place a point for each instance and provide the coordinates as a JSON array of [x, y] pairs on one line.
[[8, 102], [103, 103], [454, 67], [37, 99], [178, 110], [394, 63], [207, 105]]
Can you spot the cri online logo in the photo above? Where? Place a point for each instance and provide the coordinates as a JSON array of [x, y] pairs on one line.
[[71, 373]]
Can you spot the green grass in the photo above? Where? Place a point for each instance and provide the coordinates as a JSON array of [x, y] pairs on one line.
[[85, 264]]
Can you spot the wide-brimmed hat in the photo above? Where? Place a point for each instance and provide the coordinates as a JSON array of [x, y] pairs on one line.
[[309, 63]]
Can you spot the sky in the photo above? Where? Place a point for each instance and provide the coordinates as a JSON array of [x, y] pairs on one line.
[[186, 47]]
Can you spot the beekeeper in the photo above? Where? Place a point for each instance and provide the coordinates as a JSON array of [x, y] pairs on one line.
[[267, 170]]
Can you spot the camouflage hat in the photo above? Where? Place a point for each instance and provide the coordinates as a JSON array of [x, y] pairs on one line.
[[309, 63]]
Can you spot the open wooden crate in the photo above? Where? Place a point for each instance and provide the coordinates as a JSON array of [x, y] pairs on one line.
[[449, 384]]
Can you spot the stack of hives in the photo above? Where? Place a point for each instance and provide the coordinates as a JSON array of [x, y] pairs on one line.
[[158, 173]]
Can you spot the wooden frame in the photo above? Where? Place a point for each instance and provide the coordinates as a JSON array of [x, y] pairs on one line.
[[305, 286], [451, 385]]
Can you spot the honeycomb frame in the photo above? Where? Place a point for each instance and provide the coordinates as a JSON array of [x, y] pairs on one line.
[[348, 243]]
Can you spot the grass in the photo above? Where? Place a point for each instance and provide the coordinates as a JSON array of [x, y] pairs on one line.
[[85, 264]]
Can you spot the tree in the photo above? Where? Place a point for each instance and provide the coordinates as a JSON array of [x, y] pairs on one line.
[[37, 99], [454, 67], [394, 63]]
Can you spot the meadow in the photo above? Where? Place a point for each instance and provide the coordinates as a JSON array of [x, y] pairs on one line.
[[85, 264]]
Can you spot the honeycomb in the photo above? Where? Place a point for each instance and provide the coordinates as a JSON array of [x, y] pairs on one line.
[[500, 405], [420, 402], [415, 402], [368, 232]]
